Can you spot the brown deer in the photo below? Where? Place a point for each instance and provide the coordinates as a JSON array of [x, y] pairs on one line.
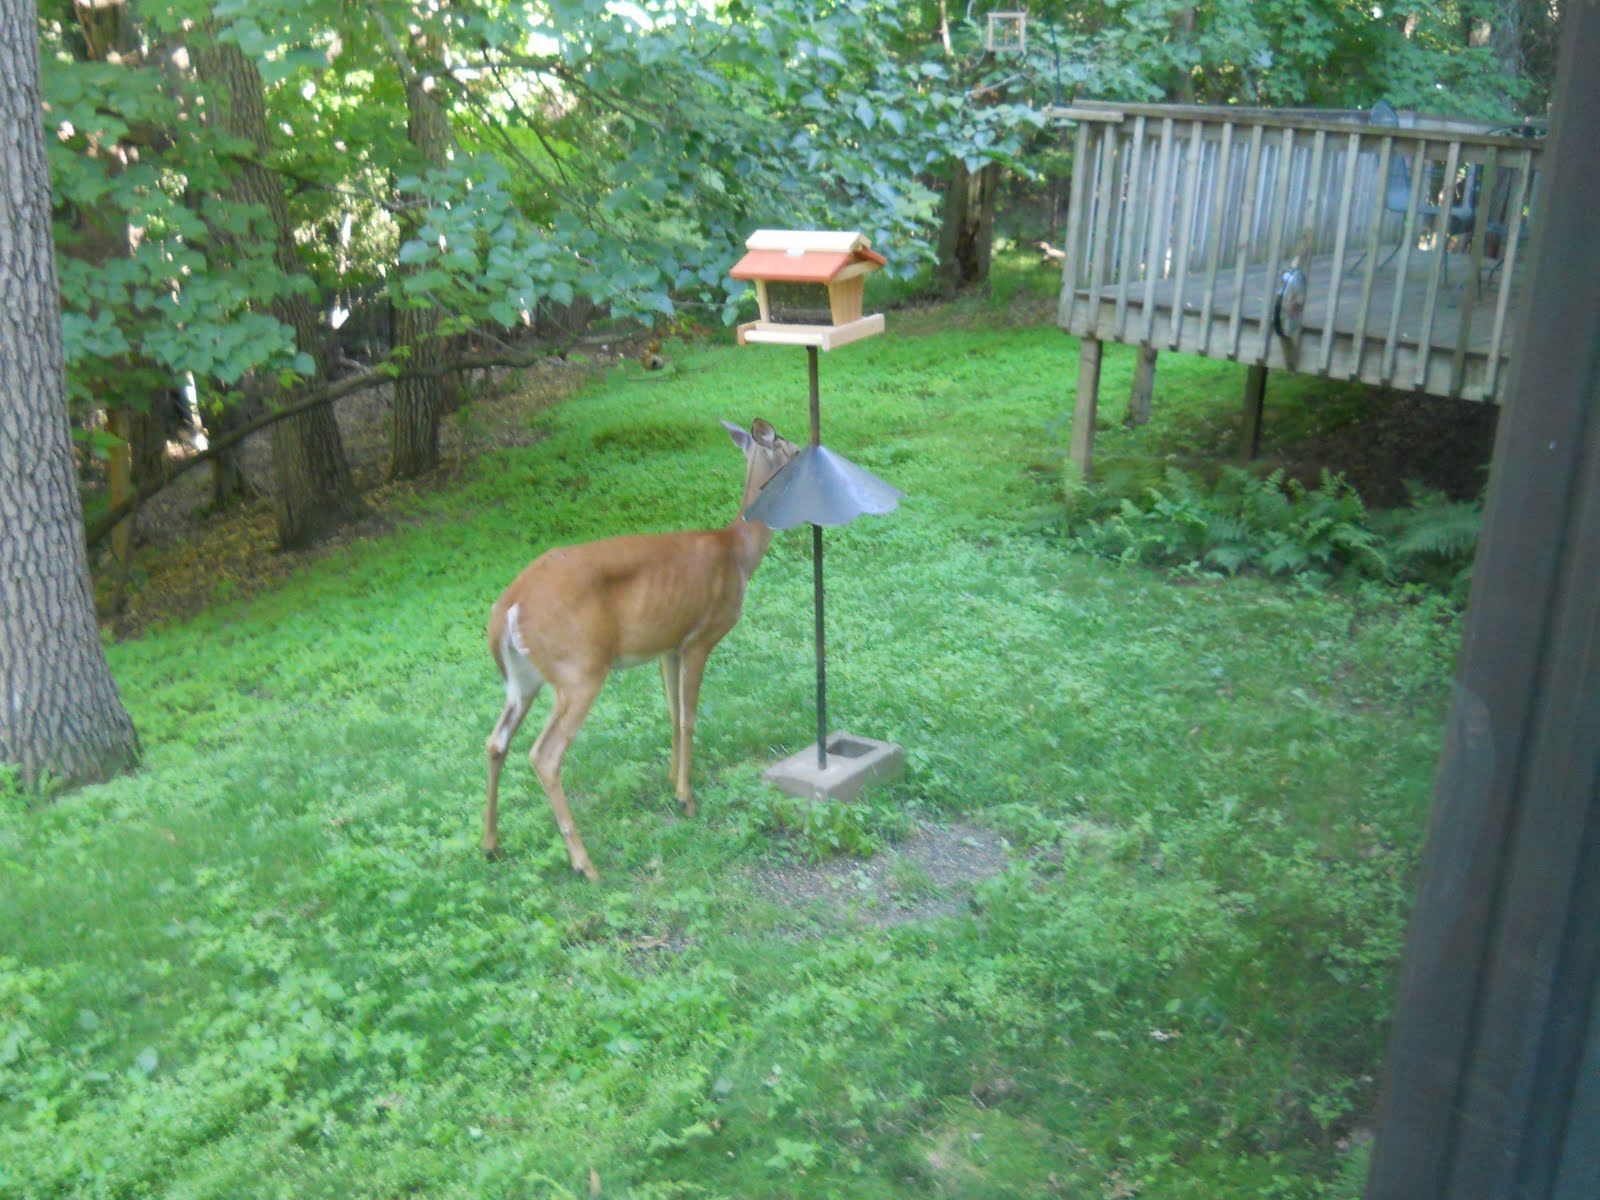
[[577, 613]]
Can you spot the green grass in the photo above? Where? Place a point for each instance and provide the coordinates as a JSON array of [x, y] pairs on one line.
[[273, 963]]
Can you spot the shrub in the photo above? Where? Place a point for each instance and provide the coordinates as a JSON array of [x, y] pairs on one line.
[[1278, 526]]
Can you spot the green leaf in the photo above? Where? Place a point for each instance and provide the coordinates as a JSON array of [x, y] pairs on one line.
[[418, 251]]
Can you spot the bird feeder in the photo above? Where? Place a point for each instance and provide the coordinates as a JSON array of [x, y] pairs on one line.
[[809, 287], [1007, 33]]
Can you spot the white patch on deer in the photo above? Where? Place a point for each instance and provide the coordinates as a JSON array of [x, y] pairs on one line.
[[522, 677]]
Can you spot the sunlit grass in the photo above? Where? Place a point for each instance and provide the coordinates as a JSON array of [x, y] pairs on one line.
[[274, 963]]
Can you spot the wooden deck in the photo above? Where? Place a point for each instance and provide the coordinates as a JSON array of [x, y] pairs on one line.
[[1395, 340], [1407, 232]]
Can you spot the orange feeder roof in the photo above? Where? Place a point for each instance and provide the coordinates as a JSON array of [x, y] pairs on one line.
[[797, 263]]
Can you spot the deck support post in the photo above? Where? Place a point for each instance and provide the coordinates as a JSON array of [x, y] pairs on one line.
[[1144, 386], [1255, 395], [1088, 399]]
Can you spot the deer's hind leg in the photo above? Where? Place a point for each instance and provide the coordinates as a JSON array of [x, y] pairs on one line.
[[522, 685], [571, 707]]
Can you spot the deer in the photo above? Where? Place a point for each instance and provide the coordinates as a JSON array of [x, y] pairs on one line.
[[577, 613]]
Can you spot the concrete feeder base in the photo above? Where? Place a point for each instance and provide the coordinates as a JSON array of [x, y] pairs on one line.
[[854, 764]]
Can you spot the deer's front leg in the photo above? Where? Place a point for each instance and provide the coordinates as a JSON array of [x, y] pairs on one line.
[[672, 682], [691, 671]]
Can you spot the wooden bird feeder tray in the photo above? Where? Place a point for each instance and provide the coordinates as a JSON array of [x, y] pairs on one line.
[[809, 286]]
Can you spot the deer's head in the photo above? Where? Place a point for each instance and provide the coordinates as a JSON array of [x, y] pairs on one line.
[[765, 454]]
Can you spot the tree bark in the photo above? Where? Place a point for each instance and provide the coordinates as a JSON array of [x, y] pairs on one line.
[[314, 491], [59, 710], [418, 400], [138, 463], [966, 237], [1181, 89], [229, 484]]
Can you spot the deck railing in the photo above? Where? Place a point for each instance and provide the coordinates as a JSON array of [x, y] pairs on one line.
[[1408, 236]]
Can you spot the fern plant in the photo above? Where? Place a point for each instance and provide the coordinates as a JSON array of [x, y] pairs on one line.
[[1435, 539], [1278, 526]]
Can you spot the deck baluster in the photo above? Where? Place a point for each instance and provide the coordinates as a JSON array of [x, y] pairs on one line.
[[1219, 195], [1439, 263]]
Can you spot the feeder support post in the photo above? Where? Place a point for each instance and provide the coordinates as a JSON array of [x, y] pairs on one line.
[[816, 575]]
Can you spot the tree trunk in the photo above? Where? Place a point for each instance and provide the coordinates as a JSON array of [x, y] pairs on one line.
[[229, 483], [59, 709], [1181, 88], [314, 491], [1505, 39], [414, 433], [140, 460], [414, 438], [966, 237]]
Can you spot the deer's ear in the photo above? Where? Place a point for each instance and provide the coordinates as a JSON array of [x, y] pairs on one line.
[[764, 434], [740, 438]]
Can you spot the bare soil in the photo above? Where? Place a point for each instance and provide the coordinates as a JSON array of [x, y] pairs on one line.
[[1396, 437], [929, 875]]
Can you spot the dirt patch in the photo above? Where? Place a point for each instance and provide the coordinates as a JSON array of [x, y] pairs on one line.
[[929, 875], [189, 558], [1395, 438]]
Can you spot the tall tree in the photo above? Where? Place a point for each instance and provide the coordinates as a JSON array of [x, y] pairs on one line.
[[59, 708], [314, 490], [418, 399]]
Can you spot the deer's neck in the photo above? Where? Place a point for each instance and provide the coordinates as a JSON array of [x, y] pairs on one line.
[[750, 540]]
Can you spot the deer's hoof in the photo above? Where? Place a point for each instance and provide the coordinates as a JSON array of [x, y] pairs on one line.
[[588, 872], [493, 853]]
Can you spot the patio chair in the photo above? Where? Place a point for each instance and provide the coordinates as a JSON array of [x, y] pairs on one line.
[[1501, 219], [1397, 190]]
